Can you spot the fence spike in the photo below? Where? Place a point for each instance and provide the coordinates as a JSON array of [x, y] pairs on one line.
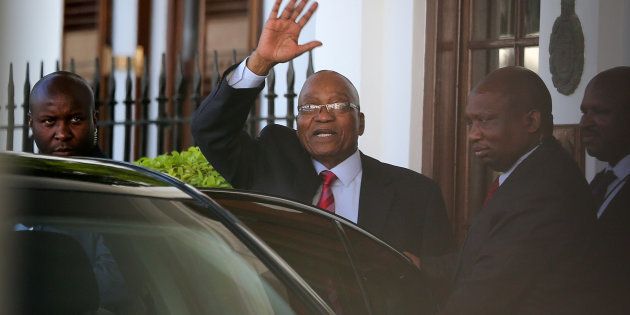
[[41, 69], [271, 96], [111, 103], [161, 99], [27, 143], [96, 83], [196, 92], [178, 100], [290, 95], [214, 77], [145, 101], [73, 67], [309, 68], [10, 110], [57, 65], [129, 102], [234, 56]]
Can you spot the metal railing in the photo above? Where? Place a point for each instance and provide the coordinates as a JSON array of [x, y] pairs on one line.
[[170, 121]]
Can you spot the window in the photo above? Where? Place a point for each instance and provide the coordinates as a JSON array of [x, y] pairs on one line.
[[366, 273]]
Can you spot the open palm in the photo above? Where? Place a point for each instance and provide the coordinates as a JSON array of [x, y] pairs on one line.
[[279, 39]]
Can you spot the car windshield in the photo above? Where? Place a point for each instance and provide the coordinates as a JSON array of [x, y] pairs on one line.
[[148, 256]]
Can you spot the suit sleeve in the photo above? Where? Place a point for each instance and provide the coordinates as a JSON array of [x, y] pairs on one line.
[[437, 238], [217, 128]]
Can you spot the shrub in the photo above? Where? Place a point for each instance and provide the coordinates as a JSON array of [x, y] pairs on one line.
[[189, 166]]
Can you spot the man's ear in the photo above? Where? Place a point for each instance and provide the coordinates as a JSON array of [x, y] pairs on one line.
[[533, 121], [361, 127], [30, 119]]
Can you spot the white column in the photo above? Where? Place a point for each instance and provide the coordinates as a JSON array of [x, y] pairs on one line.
[[158, 46], [30, 31], [124, 42]]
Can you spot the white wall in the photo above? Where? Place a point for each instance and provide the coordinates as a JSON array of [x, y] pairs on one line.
[[124, 43], [606, 44], [158, 46], [30, 31]]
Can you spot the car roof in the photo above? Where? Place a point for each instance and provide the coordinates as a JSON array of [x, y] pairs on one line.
[[84, 174]]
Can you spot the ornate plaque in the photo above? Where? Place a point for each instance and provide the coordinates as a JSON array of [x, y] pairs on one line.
[[566, 49]]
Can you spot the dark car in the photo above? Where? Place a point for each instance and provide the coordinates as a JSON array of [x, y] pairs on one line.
[[97, 236]]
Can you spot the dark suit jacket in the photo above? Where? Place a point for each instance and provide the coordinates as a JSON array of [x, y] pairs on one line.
[[523, 251], [397, 205], [613, 231]]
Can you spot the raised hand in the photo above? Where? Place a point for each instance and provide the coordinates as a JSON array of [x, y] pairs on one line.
[[278, 40]]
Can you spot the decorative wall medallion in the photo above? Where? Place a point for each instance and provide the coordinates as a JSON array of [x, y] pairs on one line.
[[566, 49]]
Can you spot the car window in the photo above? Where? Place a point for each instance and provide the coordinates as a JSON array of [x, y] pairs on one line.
[[148, 256], [311, 244], [394, 286]]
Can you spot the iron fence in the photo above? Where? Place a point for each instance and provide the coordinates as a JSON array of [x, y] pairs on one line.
[[170, 122]]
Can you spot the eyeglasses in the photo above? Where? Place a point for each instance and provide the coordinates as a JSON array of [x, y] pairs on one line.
[[334, 108]]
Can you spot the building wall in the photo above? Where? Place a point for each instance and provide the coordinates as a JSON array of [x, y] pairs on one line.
[[30, 31], [606, 44], [377, 44]]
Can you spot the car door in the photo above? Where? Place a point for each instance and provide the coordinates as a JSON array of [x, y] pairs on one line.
[[352, 270]]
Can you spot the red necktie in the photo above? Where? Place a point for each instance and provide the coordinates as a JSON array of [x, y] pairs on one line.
[[491, 190], [326, 199]]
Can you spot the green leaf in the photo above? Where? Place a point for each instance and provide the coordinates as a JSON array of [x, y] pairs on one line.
[[189, 166]]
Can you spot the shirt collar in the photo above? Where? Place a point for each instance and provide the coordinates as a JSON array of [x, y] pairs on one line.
[[622, 169], [507, 173], [346, 171]]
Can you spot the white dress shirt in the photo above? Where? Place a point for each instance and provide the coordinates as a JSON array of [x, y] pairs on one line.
[[243, 78], [622, 171], [347, 188]]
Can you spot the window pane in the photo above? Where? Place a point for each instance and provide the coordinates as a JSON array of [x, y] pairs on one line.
[[486, 60], [393, 285], [531, 23], [531, 58], [310, 244], [493, 19], [146, 255]]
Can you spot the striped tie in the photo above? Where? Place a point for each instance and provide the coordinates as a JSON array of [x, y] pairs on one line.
[[326, 199]]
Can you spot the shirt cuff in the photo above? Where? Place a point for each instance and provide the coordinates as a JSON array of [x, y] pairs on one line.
[[243, 78]]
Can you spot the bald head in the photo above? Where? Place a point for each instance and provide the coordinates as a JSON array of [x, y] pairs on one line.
[[62, 83], [524, 91], [330, 79], [605, 122], [612, 85], [62, 115]]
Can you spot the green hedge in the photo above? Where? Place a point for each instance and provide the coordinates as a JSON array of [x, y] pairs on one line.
[[189, 166]]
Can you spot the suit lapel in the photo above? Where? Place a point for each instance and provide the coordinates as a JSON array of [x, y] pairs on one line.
[[376, 196], [306, 181], [619, 203]]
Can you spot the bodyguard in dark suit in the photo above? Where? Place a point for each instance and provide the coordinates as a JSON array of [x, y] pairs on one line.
[[320, 162], [524, 249], [606, 135], [63, 120]]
